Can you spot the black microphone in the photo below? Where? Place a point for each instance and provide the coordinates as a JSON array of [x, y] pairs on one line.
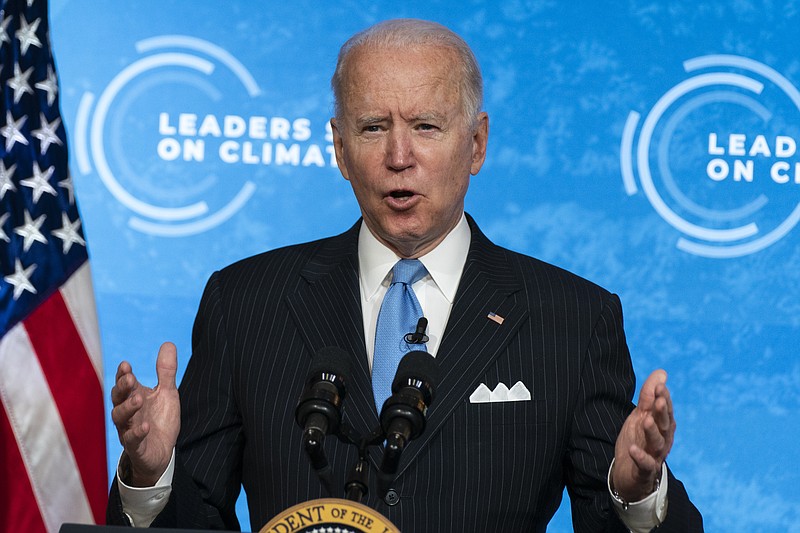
[[418, 337], [318, 410], [403, 414]]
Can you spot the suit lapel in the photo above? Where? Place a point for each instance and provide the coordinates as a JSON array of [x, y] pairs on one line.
[[472, 341], [327, 311]]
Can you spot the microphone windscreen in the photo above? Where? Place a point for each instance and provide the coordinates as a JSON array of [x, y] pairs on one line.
[[331, 359], [417, 365]]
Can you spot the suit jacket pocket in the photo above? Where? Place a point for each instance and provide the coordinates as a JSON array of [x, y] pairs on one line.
[[529, 412]]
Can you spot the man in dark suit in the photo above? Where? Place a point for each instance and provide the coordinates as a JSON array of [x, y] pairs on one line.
[[408, 134]]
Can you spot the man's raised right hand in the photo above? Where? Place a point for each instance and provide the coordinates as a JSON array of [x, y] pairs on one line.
[[147, 420]]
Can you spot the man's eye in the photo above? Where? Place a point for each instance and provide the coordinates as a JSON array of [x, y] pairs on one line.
[[426, 127], [372, 129]]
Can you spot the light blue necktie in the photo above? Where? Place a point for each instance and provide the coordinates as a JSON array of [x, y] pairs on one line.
[[399, 314]]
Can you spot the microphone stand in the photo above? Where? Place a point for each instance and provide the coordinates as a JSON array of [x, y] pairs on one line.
[[312, 442], [357, 486]]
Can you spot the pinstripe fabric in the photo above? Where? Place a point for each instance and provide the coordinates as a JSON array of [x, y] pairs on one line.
[[477, 467]]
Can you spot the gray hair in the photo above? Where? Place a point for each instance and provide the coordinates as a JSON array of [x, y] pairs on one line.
[[405, 33]]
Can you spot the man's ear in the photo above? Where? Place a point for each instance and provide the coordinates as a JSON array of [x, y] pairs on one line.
[[338, 148], [480, 139]]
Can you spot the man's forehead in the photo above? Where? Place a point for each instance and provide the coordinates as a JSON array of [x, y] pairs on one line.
[[386, 57], [392, 69], [418, 81], [433, 100]]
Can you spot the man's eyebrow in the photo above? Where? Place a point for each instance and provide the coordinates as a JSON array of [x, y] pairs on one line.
[[431, 116], [369, 120]]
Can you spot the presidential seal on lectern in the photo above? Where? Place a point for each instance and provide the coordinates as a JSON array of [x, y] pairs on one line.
[[329, 515]]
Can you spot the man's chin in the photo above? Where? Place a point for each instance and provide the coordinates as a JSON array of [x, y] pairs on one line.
[[411, 243]]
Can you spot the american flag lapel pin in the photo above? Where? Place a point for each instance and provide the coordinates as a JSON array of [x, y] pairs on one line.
[[494, 317]]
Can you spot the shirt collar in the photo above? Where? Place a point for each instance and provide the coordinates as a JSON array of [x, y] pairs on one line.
[[444, 263]]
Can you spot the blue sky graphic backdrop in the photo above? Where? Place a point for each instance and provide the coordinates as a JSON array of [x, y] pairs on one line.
[[162, 210]]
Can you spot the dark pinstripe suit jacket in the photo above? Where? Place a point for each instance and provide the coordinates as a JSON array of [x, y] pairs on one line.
[[477, 467]]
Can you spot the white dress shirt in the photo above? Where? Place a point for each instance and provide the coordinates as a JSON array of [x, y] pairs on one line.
[[435, 291]]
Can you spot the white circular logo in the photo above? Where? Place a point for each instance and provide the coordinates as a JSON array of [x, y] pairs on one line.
[[717, 156], [160, 144]]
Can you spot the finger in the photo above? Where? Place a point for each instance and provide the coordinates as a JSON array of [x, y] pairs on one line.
[[133, 437], [663, 413], [654, 440], [167, 365], [123, 388], [122, 413], [646, 464], [668, 430], [648, 392], [123, 368]]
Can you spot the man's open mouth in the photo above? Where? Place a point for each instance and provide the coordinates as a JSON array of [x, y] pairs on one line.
[[401, 194]]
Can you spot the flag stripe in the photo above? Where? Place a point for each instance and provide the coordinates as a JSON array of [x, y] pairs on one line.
[[20, 512], [78, 296], [50, 359], [40, 434], [81, 414]]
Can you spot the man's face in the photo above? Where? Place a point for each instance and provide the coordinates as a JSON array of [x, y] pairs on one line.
[[405, 145]]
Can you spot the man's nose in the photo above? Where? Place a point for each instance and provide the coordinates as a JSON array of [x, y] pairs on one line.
[[399, 150]]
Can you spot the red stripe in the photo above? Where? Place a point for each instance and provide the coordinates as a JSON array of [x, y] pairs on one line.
[[20, 509], [77, 393]]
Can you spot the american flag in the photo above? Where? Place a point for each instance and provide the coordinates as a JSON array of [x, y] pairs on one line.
[[52, 436]]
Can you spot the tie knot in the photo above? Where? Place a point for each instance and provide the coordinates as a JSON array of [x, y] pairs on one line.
[[408, 271]]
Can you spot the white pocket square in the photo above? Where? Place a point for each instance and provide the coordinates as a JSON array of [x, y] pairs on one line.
[[501, 393]]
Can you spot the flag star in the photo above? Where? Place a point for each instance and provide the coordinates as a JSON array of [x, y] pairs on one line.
[[50, 85], [27, 35], [39, 182], [69, 232], [4, 30], [3, 234], [66, 183], [30, 231], [19, 83], [11, 131], [47, 133], [6, 183], [20, 279]]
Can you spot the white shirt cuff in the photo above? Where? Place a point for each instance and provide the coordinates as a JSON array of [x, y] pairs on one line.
[[644, 515], [142, 504]]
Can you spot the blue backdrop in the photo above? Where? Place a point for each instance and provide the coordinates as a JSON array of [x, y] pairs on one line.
[[648, 146]]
